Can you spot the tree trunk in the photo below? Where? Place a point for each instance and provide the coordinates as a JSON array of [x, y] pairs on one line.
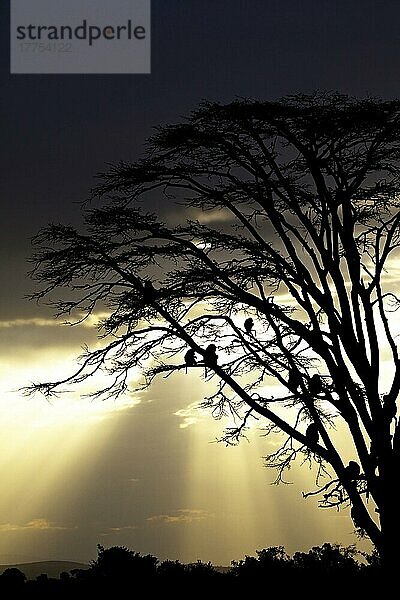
[[389, 549]]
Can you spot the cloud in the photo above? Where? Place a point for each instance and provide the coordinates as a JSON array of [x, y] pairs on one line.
[[34, 525], [116, 530], [206, 217], [37, 336], [37, 322], [119, 529], [221, 215], [182, 516], [190, 415], [92, 321]]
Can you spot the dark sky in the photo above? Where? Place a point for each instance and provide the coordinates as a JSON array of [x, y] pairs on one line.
[[59, 130]]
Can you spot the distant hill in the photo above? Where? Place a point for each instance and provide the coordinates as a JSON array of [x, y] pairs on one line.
[[53, 568]]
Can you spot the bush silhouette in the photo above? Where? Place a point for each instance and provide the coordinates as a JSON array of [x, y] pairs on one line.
[[269, 559], [13, 576], [118, 567], [328, 557], [202, 570], [172, 569], [118, 562]]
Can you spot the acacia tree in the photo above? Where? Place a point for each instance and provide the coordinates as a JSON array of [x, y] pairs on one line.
[[286, 279]]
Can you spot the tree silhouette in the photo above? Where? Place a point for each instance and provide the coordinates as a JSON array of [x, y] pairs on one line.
[[327, 558], [292, 220], [12, 577], [172, 569], [201, 570], [120, 563], [269, 560]]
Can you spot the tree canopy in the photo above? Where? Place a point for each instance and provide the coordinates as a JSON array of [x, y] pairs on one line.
[[277, 283]]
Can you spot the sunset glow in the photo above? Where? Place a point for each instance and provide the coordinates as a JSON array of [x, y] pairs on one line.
[[45, 446], [181, 199]]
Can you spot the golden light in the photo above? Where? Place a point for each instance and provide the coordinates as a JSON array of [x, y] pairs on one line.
[[46, 444], [240, 511], [227, 505]]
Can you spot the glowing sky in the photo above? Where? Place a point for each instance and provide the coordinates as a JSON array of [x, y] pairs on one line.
[[143, 472]]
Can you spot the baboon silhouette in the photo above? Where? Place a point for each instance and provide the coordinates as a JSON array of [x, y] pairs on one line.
[[190, 359], [210, 357], [148, 291], [315, 385], [248, 324], [295, 379], [352, 470], [312, 434]]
